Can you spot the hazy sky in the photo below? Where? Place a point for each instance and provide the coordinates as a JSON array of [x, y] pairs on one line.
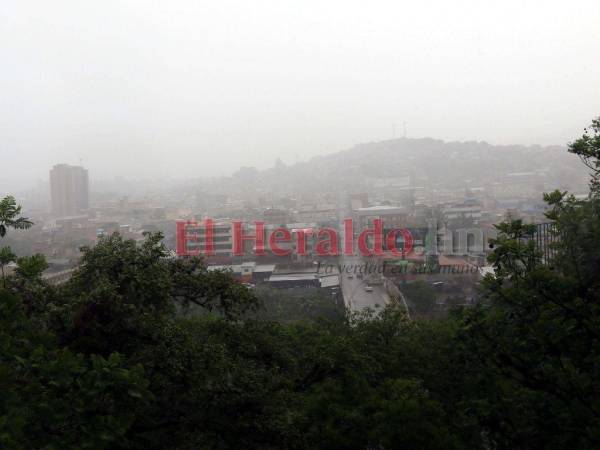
[[200, 88]]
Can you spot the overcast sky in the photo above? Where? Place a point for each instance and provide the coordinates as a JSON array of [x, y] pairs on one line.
[[185, 88]]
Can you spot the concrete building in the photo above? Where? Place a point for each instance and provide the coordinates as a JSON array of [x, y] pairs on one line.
[[392, 216], [466, 210], [222, 238], [69, 190], [247, 272], [360, 200]]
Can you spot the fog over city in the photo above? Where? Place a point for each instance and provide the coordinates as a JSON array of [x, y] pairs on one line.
[[308, 225], [187, 89]]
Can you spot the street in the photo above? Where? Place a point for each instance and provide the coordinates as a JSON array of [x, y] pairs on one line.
[[356, 297]]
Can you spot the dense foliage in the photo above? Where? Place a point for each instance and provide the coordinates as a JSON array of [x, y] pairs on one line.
[[141, 351]]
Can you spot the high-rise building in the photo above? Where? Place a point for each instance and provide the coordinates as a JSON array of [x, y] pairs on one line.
[[69, 188]]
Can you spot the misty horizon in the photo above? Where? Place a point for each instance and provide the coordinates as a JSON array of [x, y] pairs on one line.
[[106, 182], [199, 90]]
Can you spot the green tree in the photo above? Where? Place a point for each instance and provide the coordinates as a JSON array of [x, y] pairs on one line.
[[53, 398], [587, 147], [10, 216], [421, 296], [209, 291], [292, 305], [537, 337], [30, 268], [6, 257]]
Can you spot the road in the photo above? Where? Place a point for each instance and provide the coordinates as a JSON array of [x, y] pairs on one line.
[[356, 297]]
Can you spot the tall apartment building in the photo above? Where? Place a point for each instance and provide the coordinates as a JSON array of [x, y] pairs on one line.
[[69, 189]]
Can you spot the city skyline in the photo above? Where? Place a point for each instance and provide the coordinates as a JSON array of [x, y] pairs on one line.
[[158, 91]]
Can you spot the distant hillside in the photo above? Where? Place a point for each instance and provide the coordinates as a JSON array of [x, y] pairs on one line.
[[426, 161]]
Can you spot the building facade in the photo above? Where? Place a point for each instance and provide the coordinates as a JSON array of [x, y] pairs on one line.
[[69, 190]]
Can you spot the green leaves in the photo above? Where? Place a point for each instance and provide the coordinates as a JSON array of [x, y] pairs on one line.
[[209, 291], [514, 251], [53, 398], [587, 147], [538, 337], [9, 212], [30, 268], [421, 297], [6, 256]]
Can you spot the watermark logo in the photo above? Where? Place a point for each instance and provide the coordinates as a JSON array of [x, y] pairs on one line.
[[209, 237]]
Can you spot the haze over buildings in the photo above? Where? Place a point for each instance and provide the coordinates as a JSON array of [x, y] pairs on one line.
[[186, 89], [317, 224]]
